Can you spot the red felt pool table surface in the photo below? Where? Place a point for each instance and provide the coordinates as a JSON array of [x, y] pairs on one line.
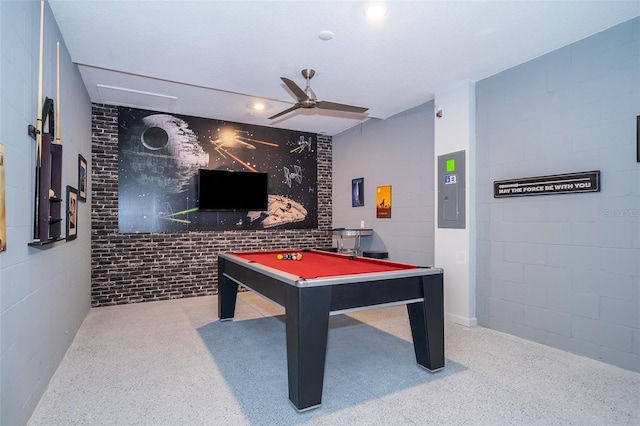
[[320, 264]]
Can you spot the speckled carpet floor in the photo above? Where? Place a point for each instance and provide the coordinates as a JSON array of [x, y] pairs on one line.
[[174, 363]]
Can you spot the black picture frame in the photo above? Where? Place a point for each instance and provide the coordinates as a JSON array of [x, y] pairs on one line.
[[72, 213], [638, 139], [357, 192], [82, 178]]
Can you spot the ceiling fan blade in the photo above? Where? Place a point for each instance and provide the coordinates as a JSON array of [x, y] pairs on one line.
[[293, 108], [300, 94], [340, 107]]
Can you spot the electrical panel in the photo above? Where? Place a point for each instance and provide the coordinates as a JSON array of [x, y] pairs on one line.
[[451, 190]]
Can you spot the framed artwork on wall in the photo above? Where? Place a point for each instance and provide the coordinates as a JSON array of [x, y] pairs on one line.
[[357, 192], [72, 213], [3, 215], [159, 161], [82, 178], [638, 139], [383, 201]]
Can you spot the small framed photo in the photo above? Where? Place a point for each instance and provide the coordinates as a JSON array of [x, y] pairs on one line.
[[72, 213], [383, 201], [357, 192], [82, 178], [3, 214], [638, 139]]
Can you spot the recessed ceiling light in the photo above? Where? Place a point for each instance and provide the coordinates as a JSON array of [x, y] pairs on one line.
[[376, 11], [258, 106], [325, 35]]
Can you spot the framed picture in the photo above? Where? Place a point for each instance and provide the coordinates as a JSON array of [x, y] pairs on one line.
[[3, 214], [383, 201], [72, 213], [357, 192], [82, 178], [638, 139]]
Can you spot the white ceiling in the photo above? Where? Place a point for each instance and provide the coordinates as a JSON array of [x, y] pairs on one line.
[[213, 59]]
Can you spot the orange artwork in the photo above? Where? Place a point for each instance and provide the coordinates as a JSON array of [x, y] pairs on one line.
[[383, 201]]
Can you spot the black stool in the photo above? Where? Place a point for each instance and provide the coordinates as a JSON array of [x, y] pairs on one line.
[[376, 254]]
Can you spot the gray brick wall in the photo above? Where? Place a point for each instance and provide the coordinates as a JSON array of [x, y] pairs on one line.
[[131, 268], [564, 269]]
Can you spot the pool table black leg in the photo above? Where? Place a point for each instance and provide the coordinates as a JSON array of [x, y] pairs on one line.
[[427, 324], [227, 294], [307, 327]]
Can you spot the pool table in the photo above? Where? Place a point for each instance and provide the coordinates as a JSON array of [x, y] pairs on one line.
[[324, 283]]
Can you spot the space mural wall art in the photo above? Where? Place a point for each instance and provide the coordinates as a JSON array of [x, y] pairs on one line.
[[159, 157]]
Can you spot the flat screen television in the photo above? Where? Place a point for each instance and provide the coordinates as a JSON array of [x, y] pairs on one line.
[[222, 190]]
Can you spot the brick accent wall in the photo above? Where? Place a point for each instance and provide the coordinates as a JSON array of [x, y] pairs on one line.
[[131, 268]]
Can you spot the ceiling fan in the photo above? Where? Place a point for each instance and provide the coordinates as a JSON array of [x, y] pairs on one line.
[[307, 99]]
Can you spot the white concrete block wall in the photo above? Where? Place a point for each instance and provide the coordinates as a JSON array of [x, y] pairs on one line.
[[564, 269], [44, 294]]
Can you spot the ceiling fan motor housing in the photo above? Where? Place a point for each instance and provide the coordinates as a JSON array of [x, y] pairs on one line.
[[307, 73]]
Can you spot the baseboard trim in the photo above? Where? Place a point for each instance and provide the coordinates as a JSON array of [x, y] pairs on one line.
[[469, 322]]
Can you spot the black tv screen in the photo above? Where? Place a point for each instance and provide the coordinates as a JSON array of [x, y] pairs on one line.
[[221, 190]]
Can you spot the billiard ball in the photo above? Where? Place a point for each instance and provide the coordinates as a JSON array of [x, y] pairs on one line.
[[279, 257], [299, 257]]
